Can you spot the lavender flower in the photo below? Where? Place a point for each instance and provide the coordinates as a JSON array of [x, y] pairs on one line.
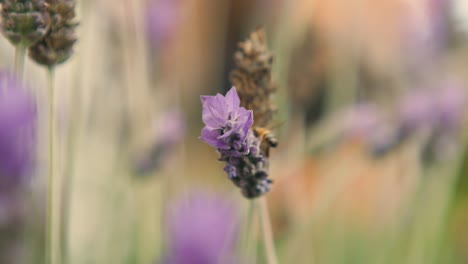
[[162, 18], [417, 110], [438, 111], [442, 107], [202, 229], [450, 101], [363, 122], [424, 40], [227, 128], [226, 123], [17, 122], [170, 127]]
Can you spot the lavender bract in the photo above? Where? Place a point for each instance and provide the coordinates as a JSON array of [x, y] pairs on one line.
[[226, 123], [227, 128], [202, 229]]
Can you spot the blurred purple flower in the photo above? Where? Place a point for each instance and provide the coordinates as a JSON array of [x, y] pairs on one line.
[[364, 122], [17, 137], [450, 105], [450, 102], [439, 111], [202, 229], [169, 130], [17, 133], [162, 18], [434, 108], [361, 120], [12, 211], [417, 109], [226, 123], [425, 37], [439, 19]]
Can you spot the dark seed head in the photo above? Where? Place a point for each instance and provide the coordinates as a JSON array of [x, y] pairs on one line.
[[57, 45], [261, 174]]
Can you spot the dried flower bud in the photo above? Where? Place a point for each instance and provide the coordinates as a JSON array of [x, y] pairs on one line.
[[252, 77], [24, 22], [57, 46]]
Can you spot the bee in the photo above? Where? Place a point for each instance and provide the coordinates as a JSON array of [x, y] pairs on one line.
[[267, 138]]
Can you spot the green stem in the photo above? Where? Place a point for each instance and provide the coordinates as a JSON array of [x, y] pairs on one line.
[[20, 53], [266, 230], [51, 238], [249, 238], [66, 193]]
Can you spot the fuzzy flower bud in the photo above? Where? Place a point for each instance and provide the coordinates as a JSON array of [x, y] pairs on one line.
[[57, 45], [24, 22]]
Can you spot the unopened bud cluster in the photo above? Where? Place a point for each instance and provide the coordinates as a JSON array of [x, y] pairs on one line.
[[24, 22]]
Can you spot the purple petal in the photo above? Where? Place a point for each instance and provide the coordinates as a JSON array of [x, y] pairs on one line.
[[207, 115], [246, 119], [232, 99], [249, 122], [214, 112], [211, 136], [218, 107]]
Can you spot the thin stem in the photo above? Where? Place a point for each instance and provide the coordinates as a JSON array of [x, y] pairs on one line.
[[249, 237], [66, 193], [20, 53], [248, 225], [51, 236], [266, 230]]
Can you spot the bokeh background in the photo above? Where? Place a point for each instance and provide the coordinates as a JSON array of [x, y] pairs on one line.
[[372, 162]]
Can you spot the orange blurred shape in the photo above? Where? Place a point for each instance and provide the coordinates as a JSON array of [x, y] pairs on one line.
[[345, 185]]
